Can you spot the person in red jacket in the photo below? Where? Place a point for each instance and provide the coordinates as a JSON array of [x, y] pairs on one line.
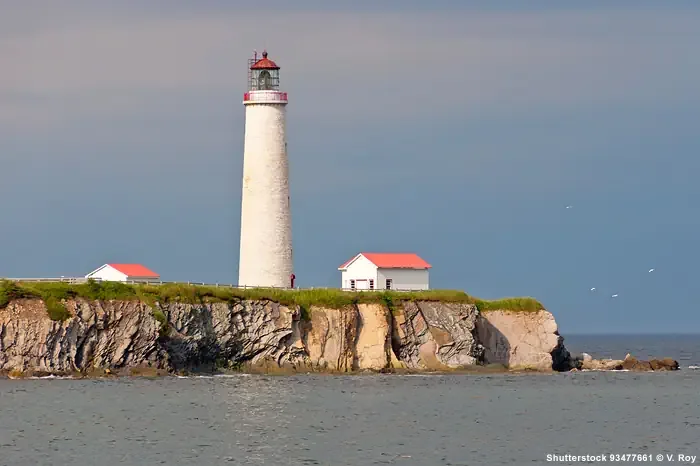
[[292, 277]]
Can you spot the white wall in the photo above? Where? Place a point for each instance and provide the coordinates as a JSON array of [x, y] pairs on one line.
[[404, 279], [108, 273], [361, 269], [266, 224]]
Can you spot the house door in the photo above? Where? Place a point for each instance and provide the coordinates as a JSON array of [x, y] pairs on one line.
[[362, 284]]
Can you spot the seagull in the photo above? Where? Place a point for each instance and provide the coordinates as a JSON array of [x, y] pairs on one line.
[[614, 296], [593, 289], [651, 270]]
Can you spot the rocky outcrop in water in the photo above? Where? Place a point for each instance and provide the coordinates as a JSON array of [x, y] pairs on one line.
[[630, 363], [263, 335]]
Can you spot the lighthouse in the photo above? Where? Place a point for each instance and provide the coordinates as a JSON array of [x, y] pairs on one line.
[[266, 224]]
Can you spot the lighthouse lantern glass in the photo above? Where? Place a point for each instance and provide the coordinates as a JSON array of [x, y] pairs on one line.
[[264, 80]]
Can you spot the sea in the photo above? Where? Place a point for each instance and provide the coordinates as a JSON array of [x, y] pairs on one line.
[[384, 419]]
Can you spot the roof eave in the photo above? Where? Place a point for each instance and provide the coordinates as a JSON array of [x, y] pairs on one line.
[[407, 268], [97, 270], [349, 263]]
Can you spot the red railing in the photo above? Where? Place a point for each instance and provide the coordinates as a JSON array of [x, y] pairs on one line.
[[258, 96]]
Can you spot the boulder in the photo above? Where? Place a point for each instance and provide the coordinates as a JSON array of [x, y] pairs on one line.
[[630, 363]]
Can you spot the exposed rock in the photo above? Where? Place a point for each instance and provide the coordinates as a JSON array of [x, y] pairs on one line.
[[562, 360], [665, 364], [222, 334], [633, 364], [111, 334], [528, 340], [373, 347], [330, 338], [122, 334], [630, 363], [602, 364], [119, 337], [436, 335]]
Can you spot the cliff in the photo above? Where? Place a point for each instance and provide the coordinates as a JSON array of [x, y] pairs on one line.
[[377, 333]]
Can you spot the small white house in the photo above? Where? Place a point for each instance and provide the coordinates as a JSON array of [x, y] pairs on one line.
[[124, 273], [385, 271]]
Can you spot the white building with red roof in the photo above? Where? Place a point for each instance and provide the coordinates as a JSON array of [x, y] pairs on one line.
[[124, 273], [385, 271]]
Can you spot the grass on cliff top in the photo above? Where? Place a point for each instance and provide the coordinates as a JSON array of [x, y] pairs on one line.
[[194, 294]]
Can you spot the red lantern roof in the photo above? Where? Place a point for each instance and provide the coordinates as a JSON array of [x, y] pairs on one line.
[[265, 63]]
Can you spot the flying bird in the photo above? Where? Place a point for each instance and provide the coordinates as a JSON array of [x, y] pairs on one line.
[[614, 296], [569, 206], [651, 270], [593, 289]]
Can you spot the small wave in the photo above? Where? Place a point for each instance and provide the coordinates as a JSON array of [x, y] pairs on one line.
[[694, 367], [213, 376], [604, 370], [49, 377]]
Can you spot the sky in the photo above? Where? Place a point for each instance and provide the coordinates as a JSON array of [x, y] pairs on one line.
[[454, 129]]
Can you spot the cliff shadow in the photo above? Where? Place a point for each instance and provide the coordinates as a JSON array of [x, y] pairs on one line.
[[194, 347], [359, 325], [562, 360], [496, 345]]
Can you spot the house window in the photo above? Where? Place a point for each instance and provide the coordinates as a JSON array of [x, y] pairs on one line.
[[371, 283], [352, 284], [388, 283]]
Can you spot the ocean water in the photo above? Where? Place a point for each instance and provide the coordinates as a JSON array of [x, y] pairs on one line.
[[473, 419], [683, 348]]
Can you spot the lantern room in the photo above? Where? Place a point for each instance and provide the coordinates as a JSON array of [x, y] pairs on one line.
[[263, 82], [264, 74]]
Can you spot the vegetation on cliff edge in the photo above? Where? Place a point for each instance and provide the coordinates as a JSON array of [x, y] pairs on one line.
[[194, 294]]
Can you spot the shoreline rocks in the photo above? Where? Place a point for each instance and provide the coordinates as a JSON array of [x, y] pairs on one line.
[[113, 338], [630, 363]]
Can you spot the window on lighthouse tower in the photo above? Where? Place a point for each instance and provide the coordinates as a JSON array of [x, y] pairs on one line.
[[264, 81]]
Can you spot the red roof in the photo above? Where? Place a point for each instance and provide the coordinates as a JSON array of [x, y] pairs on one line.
[[134, 270], [265, 64], [392, 260]]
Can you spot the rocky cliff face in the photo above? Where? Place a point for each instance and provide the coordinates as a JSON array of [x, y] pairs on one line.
[[523, 340], [433, 336], [261, 334]]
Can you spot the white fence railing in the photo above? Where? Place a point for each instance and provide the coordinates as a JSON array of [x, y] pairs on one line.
[[82, 280]]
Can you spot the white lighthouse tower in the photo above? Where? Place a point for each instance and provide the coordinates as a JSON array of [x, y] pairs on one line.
[[266, 222]]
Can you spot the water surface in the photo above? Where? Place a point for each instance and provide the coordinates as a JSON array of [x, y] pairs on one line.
[[348, 420], [480, 419]]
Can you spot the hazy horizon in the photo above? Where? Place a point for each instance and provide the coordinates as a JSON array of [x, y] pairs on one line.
[[458, 131]]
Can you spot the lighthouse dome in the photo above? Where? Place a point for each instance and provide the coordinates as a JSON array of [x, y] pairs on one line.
[[265, 63]]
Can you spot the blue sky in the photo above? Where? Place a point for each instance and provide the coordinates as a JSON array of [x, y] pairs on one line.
[[459, 131]]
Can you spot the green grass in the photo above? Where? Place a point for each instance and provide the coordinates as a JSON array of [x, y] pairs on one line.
[[10, 291], [52, 296], [57, 310], [194, 294], [164, 330], [525, 304]]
